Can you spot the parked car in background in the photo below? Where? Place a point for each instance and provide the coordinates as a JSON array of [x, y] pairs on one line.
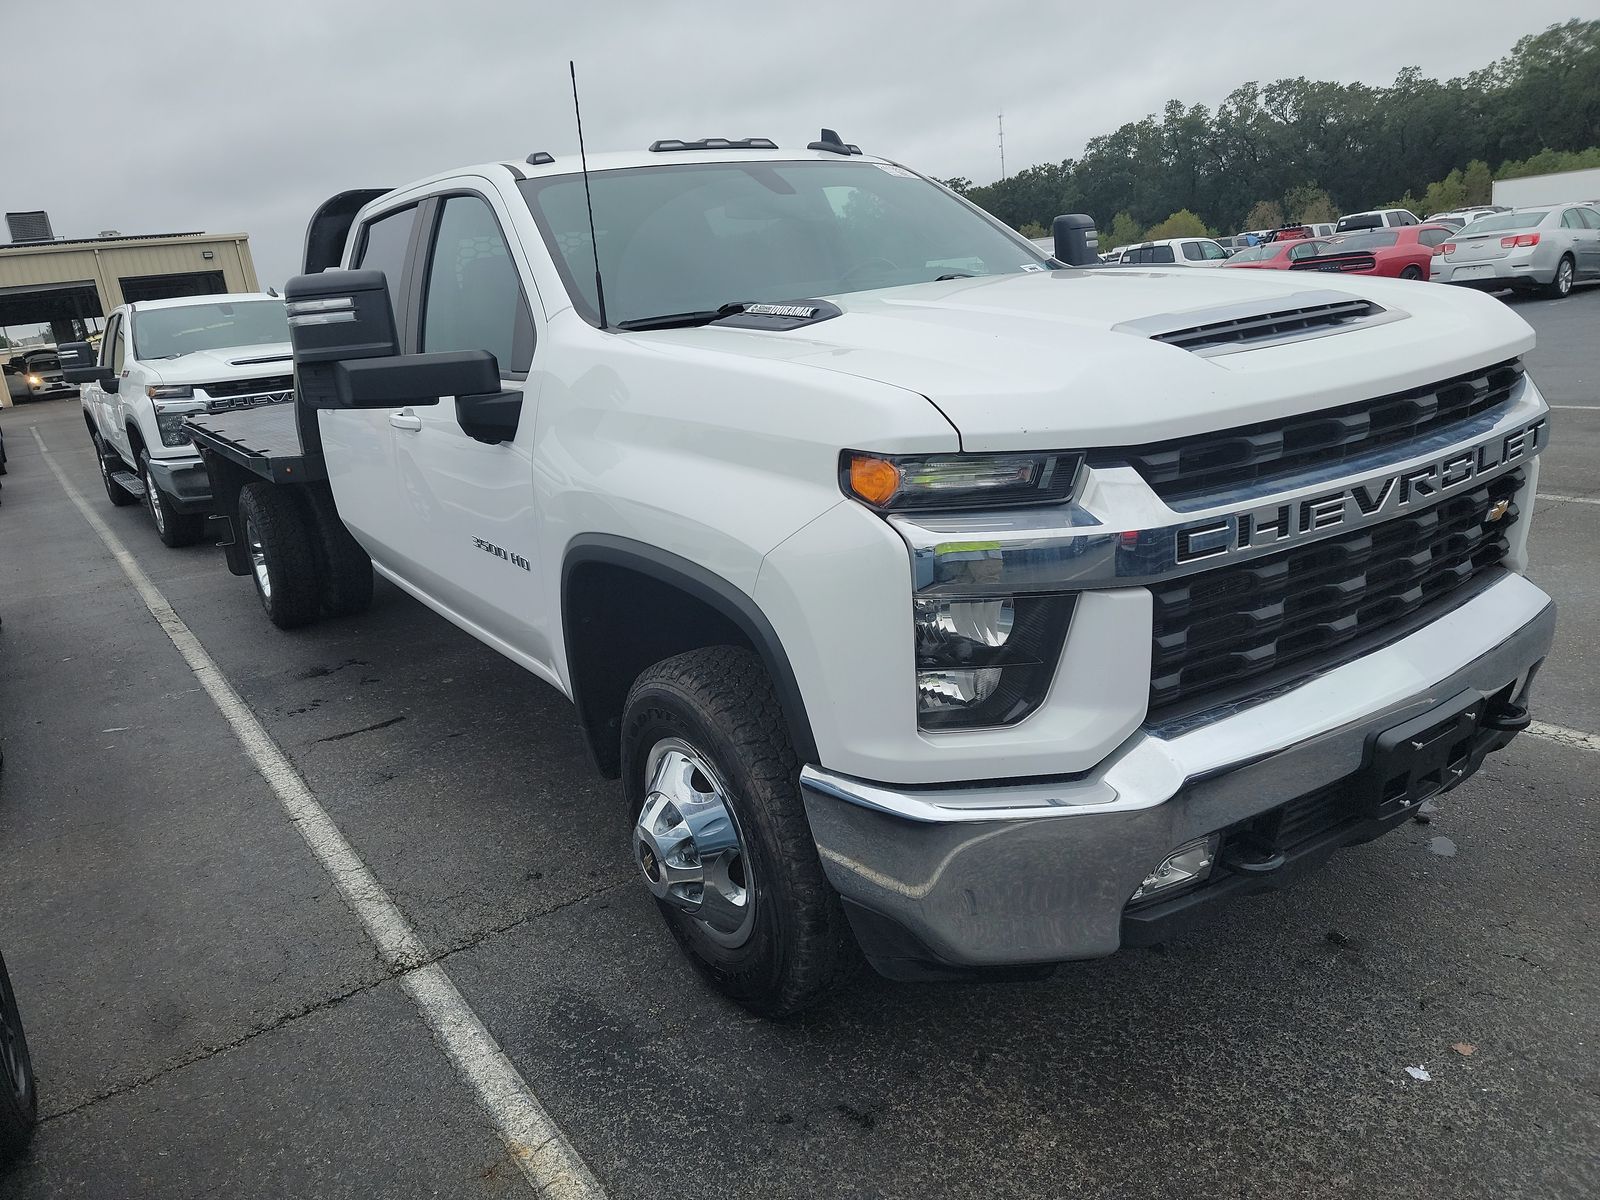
[[159, 361], [1175, 252], [36, 374], [1378, 218], [19, 1100], [1404, 252], [1545, 249], [1277, 256], [1457, 217]]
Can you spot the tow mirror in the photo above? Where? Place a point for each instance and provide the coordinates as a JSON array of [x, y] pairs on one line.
[[78, 365], [1076, 240]]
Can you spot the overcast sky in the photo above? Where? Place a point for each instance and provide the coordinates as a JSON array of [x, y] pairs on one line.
[[243, 115]]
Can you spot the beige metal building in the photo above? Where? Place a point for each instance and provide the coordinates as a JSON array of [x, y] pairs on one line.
[[62, 283]]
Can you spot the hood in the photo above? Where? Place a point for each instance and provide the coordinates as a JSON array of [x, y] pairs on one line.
[[1038, 361], [228, 362]]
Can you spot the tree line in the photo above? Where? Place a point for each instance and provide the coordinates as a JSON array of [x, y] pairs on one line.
[[1307, 150]]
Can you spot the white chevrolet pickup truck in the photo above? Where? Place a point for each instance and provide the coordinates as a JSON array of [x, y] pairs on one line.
[[159, 361], [985, 608]]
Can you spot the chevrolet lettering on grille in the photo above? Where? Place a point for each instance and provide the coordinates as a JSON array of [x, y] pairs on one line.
[[1283, 524]]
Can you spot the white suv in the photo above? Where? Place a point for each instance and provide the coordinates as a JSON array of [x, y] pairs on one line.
[[1377, 218], [159, 361]]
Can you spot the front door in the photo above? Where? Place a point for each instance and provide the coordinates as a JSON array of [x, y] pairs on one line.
[[468, 506]]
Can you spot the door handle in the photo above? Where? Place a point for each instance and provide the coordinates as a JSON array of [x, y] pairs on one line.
[[406, 420]]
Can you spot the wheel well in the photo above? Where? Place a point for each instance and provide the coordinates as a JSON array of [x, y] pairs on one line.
[[135, 441], [621, 617]]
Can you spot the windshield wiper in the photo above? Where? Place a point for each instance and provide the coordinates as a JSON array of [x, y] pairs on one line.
[[683, 320], [954, 275]]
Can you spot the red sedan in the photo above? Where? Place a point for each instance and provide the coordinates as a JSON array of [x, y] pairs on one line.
[[1404, 252], [1279, 256]]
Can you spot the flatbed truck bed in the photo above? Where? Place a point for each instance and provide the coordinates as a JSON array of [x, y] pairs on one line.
[[264, 441]]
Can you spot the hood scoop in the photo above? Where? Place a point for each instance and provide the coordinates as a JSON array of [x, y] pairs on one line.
[[1234, 327]]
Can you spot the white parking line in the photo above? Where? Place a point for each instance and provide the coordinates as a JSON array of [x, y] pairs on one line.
[[1575, 738], [1559, 499], [547, 1160]]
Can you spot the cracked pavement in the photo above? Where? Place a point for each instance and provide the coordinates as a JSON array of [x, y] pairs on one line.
[[207, 1017]]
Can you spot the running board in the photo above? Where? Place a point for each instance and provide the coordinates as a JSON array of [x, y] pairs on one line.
[[129, 482]]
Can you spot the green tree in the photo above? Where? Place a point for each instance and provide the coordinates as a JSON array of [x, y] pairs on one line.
[[1124, 231], [1477, 182], [1445, 194], [959, 184], [1033, 229], [1309, 204], [1182, 223], [1265, 215]]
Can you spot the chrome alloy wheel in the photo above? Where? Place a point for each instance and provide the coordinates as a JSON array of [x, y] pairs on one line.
[[688, 845], [258, 559], [156, 509], [1564, 276]]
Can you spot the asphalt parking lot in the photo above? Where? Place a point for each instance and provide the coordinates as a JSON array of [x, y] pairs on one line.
[[208, 1018]]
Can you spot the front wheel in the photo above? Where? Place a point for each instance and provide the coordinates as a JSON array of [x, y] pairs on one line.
[[176, 529], [19, 1101], [105, 456], [720, 835], [277, 538], [1561, 286]]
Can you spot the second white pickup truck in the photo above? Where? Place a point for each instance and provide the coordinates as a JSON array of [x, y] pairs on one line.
[[921, 587]]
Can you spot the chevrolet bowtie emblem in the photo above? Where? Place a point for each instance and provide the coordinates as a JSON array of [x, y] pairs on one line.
[[1497, 510]]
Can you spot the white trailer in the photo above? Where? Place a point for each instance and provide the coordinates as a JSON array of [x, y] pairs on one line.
[[1556, 188]]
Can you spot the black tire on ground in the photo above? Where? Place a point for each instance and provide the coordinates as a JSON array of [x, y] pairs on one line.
[[1560, 285], [720, 702], [346, 568], [19, 1100], [174, 528], [107, 458], [277, 541], [1411, 272]]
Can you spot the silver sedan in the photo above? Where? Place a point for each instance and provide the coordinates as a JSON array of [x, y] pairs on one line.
[[1546, 248]]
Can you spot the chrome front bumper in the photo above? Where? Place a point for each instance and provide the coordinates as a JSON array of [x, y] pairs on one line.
[[1013, 873]]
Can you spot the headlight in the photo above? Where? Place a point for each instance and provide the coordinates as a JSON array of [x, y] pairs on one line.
[[169, 391], [986, 661], [172, 426], [34, 381], [894, 482]]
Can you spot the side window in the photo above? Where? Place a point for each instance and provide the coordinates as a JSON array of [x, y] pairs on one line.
[[1303, 250], [1213, 251], [1571, 220], [1591, 217], [108, 340], [383, 246], [1160, 254], [1433, 237], [474, 298], [1192, 251]]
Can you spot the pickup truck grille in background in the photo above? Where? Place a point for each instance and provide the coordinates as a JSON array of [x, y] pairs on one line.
[[1210, 463], [248, 387], [1234, 624], [1348, 262], [248, 393]]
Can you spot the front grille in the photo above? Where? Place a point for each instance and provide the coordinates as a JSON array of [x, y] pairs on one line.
[[1205, 465], [247, 387], [1347, 262], [1230, 626], [1304, 321]]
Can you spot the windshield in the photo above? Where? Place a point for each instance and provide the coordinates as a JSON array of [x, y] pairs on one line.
[[172, 332], [1254, 253], [693, 237], [1511, 220]]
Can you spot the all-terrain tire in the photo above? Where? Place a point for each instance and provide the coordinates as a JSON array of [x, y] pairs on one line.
[[19, 1098], [346, 568], [720, 702], [277, 541], [175, 529]]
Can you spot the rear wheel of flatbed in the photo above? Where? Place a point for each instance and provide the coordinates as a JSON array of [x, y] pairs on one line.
[[277, 538]]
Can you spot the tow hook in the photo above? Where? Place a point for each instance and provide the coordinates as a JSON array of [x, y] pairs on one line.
[[1508, 717], [1248, 859]]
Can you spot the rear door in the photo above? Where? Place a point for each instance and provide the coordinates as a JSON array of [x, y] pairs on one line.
[[468, 505], [360, 442], [1585, 242]]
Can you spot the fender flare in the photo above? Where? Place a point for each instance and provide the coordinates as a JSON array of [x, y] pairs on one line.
[[708, 588]]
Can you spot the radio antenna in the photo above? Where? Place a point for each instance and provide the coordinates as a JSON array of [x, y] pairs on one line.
[[588, 199]]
